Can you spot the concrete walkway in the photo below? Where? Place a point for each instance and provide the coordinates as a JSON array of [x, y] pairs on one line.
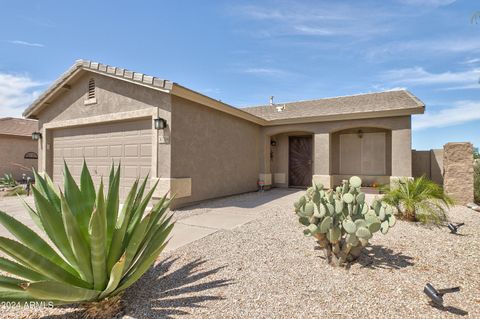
[[194, 222]]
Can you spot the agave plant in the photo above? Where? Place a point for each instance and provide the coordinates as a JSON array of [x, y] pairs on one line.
[[419, 199], [99, 250], [8, 181]]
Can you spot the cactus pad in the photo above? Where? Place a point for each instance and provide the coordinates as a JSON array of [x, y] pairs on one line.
[[341, 220]]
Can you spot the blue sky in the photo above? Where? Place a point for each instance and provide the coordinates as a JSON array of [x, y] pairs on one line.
[[244, 51]]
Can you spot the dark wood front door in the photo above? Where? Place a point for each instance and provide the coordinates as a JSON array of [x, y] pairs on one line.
[[300, 161]]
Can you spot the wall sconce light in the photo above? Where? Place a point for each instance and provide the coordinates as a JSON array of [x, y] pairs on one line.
[[273, 143], [360, 133], [160, 123], [36, 136], [436, 296]]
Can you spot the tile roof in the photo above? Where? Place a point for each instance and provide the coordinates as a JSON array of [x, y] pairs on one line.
[[362, 103], [399, 102], [109, 70], [18, 127]]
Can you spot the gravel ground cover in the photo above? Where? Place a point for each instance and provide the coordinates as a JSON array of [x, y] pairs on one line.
[[268, 269]]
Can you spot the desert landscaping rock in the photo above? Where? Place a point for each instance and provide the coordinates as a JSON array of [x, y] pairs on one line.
[[268, 269]]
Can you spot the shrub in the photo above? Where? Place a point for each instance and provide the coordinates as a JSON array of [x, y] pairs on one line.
[[341, 221], [17, 190], [419, 199], [8, 181], [99, 250], [477, 181]]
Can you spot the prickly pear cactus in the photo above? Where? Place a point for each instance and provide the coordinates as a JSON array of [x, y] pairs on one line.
[[341, 220]]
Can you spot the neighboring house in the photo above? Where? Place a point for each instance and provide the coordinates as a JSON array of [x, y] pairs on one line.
[[202, 148], [18, 152]]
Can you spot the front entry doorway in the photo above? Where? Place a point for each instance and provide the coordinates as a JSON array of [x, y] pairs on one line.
[[300, 161]]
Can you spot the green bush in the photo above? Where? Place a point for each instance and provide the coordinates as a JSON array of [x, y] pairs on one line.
[[341, 221], [99, 250], [419, 199], [8, 181]]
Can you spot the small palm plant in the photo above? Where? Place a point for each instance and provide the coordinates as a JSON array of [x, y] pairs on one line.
[[99, 250], [419, 199]]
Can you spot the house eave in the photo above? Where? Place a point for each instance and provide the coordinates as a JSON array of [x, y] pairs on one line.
[[347, 116], [194, 96]]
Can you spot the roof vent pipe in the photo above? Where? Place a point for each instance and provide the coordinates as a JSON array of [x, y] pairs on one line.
[[271, 100]]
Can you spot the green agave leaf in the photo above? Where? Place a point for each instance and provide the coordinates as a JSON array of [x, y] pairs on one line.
[[53, 225], [20, 270], [158, 210], [38, 263], [10, 283], [86, 185], [113, 202], [79, 245], [97, 230], [135, 241], [140, 210], [33, 214], [161, 225], [115, 277], [115, 251], [147, 258], [140, 192], [30, 239], [80, 206], [47, 190], [59, 291]]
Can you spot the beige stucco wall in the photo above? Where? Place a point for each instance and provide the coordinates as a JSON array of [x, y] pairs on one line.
[[12, 152], [399, 156], [428, 163], [116, 100], [217, 151]]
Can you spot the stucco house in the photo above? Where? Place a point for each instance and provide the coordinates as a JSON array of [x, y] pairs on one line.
[[203, 148], [18, 151]]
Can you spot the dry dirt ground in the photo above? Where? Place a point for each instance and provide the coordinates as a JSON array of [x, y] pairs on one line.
[[268, 269]]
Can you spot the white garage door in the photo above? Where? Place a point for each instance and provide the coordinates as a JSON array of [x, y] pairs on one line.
[[101, 144]]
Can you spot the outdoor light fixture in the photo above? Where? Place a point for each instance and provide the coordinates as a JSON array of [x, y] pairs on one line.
[[436, 296], [360, 133], [454, 228], [160, 123], [273, 143], [36, 136]]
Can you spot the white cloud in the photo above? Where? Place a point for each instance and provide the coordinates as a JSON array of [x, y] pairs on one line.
[[291, 18], [269, 72], [419, 76], [28, 44], [428, 3], [471, 61], [16, 93], [460, 112], [428, 47]]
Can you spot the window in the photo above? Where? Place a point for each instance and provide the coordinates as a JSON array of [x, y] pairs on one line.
[[30, 155], [91, 98]]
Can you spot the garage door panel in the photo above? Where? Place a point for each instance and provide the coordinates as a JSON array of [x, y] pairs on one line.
[[100, 145]]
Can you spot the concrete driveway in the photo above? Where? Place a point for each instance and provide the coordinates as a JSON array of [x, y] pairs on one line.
[[194, 222], [198, 221]]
